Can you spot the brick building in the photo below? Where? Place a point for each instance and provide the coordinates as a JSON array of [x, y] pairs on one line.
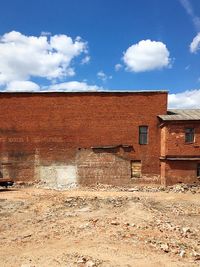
[[180, 149], [96, 137]]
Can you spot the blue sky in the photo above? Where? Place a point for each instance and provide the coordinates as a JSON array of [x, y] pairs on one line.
[[95, 44]]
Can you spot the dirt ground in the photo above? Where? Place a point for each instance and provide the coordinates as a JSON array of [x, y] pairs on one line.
[[85, 228]]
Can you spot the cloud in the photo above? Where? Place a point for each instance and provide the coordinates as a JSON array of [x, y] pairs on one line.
[[146, 55], [73, 86], [102, 76], [22, 86], [189, 9], [45, 33], [195, 45], [23, 57], [118, 67], [187, 99], [85, 60]]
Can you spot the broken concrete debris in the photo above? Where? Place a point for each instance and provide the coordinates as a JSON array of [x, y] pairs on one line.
[[180, 188]]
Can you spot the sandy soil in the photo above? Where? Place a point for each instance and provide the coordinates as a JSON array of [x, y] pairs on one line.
[[40, 227]]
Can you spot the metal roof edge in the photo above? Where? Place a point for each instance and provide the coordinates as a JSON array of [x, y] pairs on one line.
[[190, 158]]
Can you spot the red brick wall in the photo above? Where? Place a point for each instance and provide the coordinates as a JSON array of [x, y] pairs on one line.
[[181, 172], [56, 124], [175, 139], [173, 145], [102, 167]]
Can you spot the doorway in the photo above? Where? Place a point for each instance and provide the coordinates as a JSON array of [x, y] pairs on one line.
[[198, 170], [136, 168]]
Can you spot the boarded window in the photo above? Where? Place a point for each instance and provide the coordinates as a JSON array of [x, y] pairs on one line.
[[136, 167], [189, 135], [198, 170], [143, 135]]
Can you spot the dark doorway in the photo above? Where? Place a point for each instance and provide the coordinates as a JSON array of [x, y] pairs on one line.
[[198, 170]]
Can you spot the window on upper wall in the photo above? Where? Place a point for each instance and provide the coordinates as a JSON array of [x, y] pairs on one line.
[[143, 135], [189, 135]]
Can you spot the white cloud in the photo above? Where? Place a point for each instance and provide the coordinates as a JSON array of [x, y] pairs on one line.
[[195, 45], [22, 86], [118, 67], [23, 57], [73, 86], [146, 55], [189, 9], [186, 4], [85, 60], [187, 99], [45, 33], [102, 76]]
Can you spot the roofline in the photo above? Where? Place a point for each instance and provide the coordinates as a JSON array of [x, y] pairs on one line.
[[173, 158], [88, 92], [180, 109], [177, 120]]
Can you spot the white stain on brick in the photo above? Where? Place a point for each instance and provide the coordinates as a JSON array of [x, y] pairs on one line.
[[59, 176]]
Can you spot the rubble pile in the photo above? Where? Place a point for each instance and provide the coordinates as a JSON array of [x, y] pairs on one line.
[[178, 188], [91, 228]]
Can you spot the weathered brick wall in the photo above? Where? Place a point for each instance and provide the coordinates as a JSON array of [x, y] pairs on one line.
[[102, 167], [175, 139], [181, 172], [54, 125], [174, 145]]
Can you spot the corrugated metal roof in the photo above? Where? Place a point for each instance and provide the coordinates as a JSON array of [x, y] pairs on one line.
[[181, 115]]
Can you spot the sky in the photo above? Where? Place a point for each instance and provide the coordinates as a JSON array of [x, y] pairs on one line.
[[94, 45]]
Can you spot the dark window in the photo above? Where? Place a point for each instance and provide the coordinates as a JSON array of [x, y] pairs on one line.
[[198, 170], [143, 135], [189, 135]]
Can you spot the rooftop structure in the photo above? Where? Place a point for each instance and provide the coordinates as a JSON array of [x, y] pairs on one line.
[[181, 115]]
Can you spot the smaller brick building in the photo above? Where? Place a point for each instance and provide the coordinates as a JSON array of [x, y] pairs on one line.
[[180, 146]]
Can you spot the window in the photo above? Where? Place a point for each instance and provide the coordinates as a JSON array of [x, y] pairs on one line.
[[189, 135], [198, 170], [143, 135]]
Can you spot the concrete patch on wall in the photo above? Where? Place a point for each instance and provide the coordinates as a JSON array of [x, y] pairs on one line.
[[58, 176]]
